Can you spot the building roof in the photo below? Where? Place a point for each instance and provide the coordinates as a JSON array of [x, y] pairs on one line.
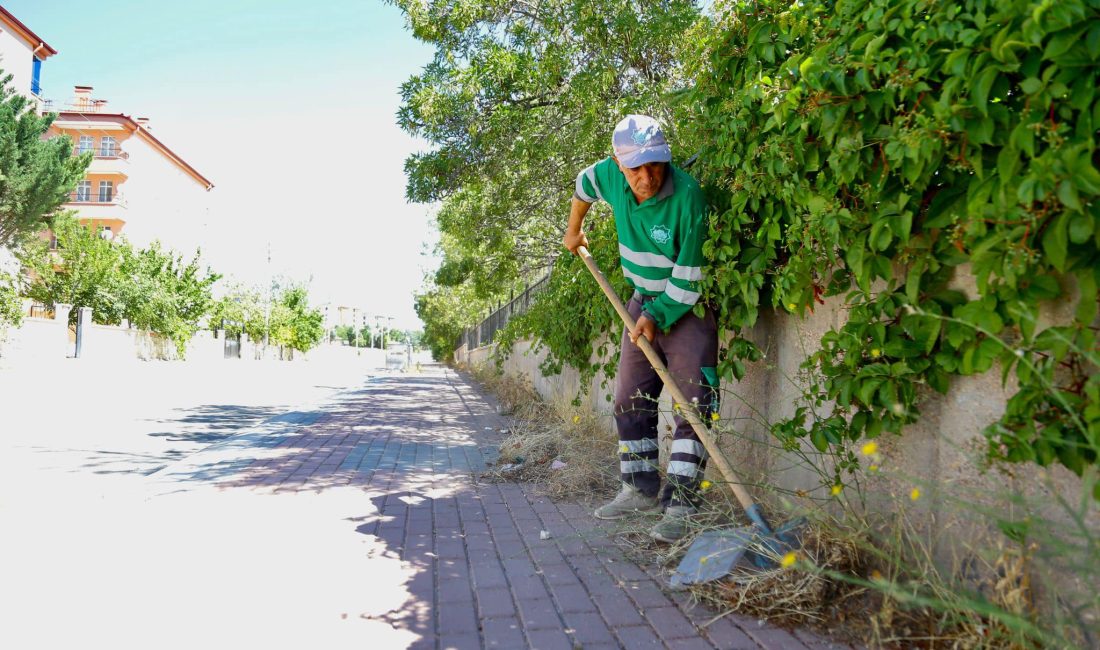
[[142, 131], [26, 33]]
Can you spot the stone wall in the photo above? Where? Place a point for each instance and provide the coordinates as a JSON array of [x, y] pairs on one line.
[[941, 454]]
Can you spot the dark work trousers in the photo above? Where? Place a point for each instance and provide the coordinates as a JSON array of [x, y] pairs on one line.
[[690, 346]]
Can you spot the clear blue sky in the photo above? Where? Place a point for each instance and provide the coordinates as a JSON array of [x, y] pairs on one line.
[[288, 107]]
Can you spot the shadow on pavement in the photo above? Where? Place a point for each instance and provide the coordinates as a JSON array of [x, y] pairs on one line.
[[392, 424], [213, 423]]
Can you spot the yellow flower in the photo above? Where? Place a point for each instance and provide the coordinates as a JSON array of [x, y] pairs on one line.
[[876, 353], [870, 449], [789, 559], [876, 575], [576, 419], [675, 407], [705, 485], [715, 417], [915, 494], [873, 468], [837, 489], [791, 306], [623, 449]]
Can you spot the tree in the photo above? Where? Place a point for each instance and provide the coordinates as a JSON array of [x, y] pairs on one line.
[[11, 306], [293, 323], [345, 333], [152, 288], [287, 320], [165, 295], [447, 312], [242, 310], [84, 271], [36, 175]]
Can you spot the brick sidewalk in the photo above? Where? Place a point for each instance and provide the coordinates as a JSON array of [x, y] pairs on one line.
[[481, 576]]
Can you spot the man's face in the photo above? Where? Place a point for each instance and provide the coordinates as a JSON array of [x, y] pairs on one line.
[[645, 181]]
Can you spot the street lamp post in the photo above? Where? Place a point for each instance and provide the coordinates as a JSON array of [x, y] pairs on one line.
[[355, 324], [267, 309]]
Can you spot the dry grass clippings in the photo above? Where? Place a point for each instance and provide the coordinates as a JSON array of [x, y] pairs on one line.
[[567, 451]]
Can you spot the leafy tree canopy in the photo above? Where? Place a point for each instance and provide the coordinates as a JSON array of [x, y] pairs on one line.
[[36, 175]]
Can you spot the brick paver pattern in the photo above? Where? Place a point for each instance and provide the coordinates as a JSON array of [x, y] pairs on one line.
[[482, 576]]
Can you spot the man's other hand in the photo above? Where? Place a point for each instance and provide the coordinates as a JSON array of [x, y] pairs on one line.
[[574, 240], [645, 326]]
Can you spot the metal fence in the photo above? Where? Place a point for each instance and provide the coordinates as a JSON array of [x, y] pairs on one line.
[[482, 333]]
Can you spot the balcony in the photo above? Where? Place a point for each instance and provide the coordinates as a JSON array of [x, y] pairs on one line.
[[93, 199], [103, 154], [107, 162]]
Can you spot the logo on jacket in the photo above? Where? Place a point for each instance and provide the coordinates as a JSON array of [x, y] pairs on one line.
[[661, 234]]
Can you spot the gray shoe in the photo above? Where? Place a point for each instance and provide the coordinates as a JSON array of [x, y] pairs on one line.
[[674, 525], [627, 502]]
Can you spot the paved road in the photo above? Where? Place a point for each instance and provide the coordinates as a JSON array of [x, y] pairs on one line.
[[353, 519]]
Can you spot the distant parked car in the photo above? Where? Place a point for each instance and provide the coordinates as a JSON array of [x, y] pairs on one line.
[[397, 356]]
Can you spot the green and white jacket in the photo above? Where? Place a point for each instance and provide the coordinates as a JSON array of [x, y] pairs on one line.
[[660, 240]]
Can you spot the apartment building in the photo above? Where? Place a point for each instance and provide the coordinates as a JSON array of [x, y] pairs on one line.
[[22, 53], [136, 184]]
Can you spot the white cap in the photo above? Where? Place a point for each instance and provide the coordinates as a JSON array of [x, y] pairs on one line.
[[638, 139]]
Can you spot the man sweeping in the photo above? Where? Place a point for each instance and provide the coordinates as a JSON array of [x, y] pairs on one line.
[[660, 216]]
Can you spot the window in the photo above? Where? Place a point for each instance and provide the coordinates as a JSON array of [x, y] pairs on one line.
[[87, 143], [106, 233], [84, 191], [36, 77], [53, 242], [106, 191], [107, 146]]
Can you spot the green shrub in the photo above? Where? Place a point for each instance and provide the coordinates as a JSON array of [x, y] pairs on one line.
[[869, 149]]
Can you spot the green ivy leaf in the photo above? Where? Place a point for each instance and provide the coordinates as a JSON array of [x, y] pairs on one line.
[[1031, 85], [1056, 242], [1067, 194], [982, 315], [1081, 228], [980, 92], [820, 442]]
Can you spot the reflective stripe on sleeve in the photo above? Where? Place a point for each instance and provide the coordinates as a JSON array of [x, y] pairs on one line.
[[581, 194], [690, 273], [591, 174], [681, 295]]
